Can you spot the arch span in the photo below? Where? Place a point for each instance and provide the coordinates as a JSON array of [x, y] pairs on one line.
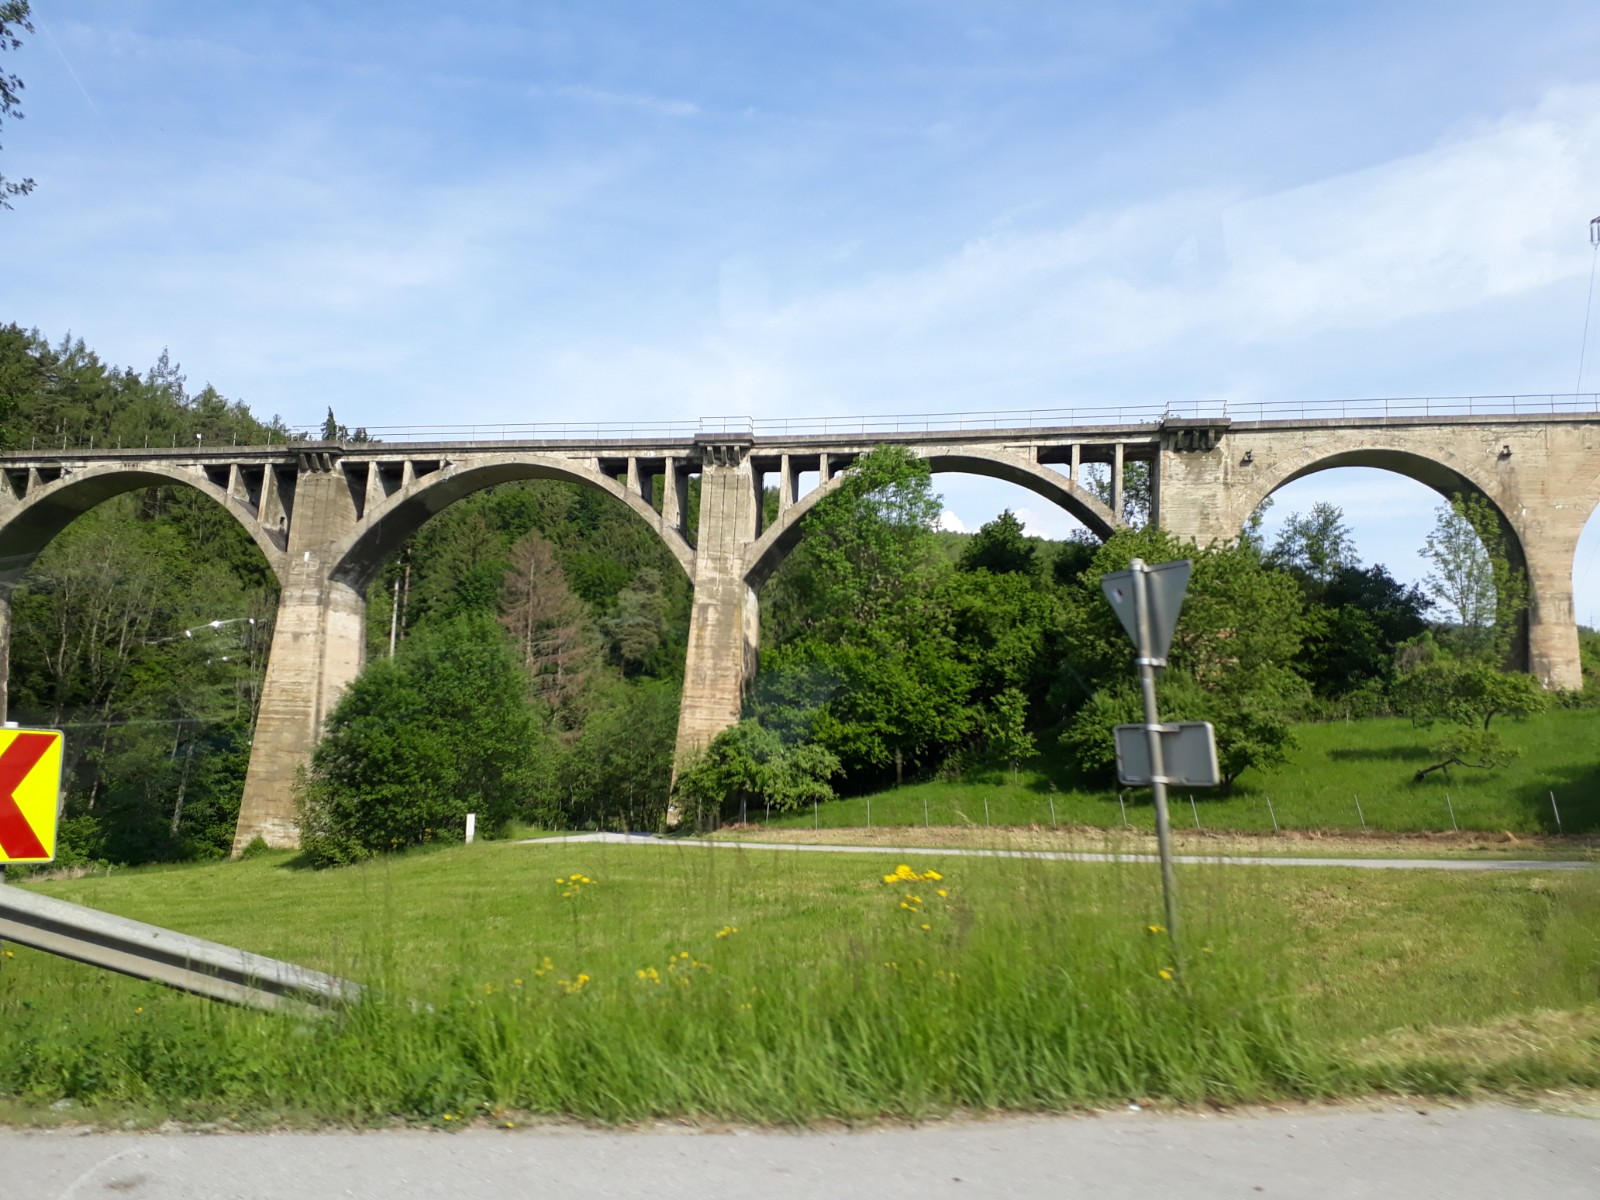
[[358, 556], [775, 543], [31, 525]]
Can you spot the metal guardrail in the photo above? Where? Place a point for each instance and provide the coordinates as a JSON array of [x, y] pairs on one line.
[[1078, 416], [177, 960]]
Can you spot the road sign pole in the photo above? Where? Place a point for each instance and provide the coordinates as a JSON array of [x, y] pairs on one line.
[[1152, 724]]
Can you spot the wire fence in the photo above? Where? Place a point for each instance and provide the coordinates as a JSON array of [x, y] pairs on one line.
[[1097, 416]]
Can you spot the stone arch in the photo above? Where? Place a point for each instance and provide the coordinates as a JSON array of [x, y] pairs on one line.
[[357, 557], [1446, 474], [30, 526], [783, 535]]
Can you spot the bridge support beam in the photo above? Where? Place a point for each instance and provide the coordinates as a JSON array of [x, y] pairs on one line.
[[724, 625], [318, 646]]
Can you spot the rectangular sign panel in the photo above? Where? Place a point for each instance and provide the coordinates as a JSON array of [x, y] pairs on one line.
[[30, 791], [1188, 755]]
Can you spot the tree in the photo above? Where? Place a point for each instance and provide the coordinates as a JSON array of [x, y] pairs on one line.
[[1316, 546], [638, 624], [551, 630], [420, 740], [749, 763], [857, 605], [13, 22], [1001, 548], [1356, 624], [1473, 577], [1467, 695], [1240, 626]]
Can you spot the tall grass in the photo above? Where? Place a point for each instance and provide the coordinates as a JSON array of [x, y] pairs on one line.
[[1034, 986]]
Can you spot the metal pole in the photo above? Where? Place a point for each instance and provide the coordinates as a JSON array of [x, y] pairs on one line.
[[1553, 809], [1152, 726]]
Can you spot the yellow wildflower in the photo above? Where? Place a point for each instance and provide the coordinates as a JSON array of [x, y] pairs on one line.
[[941, 893], [727, 931], [932, 875], [1156, 928], [1165, 973], [927, 926]]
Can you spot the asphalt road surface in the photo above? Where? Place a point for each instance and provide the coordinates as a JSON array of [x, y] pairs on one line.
[[1489, 1152], [1090, 856]]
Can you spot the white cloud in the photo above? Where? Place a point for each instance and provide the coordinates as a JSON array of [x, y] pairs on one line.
[[950, 523]]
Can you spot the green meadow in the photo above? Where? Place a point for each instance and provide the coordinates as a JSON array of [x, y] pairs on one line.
[[732, 984], [1342, 775]]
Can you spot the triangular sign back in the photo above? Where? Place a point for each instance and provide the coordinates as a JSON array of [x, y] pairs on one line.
[[1165, 585]]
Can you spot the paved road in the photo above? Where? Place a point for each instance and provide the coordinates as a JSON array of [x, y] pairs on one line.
[[1227, 860], [1486, 1152]]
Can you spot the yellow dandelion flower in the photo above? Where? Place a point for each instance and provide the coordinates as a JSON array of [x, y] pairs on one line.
[[448, 1117], [1165, 973], [932, 875], [517, 982], [1205, 949], [727, 931], [941, 893], [139, 1009], [927, 926], [1156, 928]]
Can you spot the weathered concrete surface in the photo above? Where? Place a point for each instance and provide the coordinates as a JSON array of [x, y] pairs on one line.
[[318, 645], [1541, 475], [724, 625], [1413, 1150]]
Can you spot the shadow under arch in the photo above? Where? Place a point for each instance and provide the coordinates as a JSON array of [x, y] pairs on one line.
[[774, 545], [358, 556], [1445, 475], [32, 525]]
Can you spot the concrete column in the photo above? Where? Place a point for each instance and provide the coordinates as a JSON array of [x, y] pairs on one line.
[[1198, 496], [1553, 656], [1116, 479], [724, 625], [674, 501], [786, 478], [318, 644], [1076, 464]]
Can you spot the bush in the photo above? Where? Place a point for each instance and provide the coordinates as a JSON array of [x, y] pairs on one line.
[[421, 740]]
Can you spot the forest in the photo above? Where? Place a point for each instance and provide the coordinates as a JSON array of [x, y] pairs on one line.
[[526, 646]]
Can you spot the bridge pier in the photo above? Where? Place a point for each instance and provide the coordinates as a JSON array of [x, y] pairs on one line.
[[318, 646], [725, 622]]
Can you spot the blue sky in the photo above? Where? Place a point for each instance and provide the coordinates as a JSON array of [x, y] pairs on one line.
[[513, 212]]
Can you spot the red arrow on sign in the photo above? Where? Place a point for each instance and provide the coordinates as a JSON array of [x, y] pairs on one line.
[[17, 837]]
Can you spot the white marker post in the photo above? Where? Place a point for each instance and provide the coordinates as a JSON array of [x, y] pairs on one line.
[[472, 827]]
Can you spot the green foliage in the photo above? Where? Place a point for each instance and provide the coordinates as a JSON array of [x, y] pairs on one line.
[[618, 771], [750, 763], [1240, 624], [419, 741], [1317, 546], [1467, 694], [1475, 578], [1001, 548], [13, 23]]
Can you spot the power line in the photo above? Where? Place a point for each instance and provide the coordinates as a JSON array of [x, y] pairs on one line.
[[1583, 350]]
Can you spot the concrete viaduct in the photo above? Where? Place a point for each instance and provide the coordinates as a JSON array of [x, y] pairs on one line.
[[326, 515]]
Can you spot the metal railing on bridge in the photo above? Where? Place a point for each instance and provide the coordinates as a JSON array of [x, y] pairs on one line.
[[1076, 416]]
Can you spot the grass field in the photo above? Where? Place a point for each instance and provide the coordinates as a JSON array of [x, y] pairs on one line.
[[728, 984], [1335, 767]]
